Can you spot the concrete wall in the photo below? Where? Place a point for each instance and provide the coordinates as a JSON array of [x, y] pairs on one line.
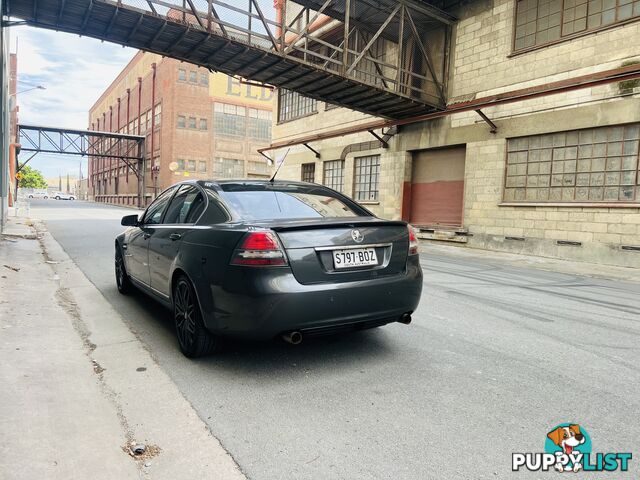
[[483, 64]]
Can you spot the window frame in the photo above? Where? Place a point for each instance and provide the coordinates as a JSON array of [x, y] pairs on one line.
[[518, 51], [309, 166], [370, 174], [300, 110], [605, 158], [341, 176]]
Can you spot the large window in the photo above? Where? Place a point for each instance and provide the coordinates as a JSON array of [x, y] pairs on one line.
[[367, 173], [543, 21], [259, 126], [292, 105], [228, 168], [593, 165], [309, 172], [258, 167], [334, 174], [229, 120]]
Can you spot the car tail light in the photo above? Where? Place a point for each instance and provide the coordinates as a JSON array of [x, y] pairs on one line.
[[258, 249], [413, 241]]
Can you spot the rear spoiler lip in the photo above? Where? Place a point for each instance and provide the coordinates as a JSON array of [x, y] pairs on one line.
[[336, 224]]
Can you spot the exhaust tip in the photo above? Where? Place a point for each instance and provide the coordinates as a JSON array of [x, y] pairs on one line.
[[405, 318], [294, 338]]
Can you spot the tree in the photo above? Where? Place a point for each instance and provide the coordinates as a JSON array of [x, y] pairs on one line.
[[31, 178]]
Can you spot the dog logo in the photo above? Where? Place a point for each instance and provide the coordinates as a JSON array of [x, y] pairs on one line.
[[357, 236], [567, 438], [567, 448]]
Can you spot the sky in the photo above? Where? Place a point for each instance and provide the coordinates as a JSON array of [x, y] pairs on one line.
[[75, 71]]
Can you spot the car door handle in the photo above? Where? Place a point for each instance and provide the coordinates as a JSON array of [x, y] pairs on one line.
[[146, 235], [175, 236]]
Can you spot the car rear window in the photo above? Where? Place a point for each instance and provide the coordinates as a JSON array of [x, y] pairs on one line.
[[270, 203]]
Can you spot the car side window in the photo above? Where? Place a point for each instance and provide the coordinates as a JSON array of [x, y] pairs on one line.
[[185, 207], [156, 209], [197, 207], [216, 212]]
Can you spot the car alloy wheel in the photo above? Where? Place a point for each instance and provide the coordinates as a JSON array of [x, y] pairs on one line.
[[122, 279], [194, 339]]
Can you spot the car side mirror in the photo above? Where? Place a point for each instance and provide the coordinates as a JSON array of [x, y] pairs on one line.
[[129, 221]]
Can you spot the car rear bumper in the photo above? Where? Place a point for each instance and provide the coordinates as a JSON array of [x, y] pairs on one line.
[[263, 303]]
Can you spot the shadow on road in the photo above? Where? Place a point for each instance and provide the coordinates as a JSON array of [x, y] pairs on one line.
[[273, 358]]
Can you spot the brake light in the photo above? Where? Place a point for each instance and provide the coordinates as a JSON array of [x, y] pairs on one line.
[[259, 249], [413, 241]]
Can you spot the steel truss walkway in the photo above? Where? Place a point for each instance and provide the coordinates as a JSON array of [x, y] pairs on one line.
[[382, 57], [105, 145]]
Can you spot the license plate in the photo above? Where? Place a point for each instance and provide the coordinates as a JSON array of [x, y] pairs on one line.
[[355, 257]]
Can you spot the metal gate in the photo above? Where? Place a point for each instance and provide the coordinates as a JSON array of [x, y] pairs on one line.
[[437, 187]]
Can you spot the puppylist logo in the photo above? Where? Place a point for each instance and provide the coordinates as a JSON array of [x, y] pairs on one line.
[[568, 449]]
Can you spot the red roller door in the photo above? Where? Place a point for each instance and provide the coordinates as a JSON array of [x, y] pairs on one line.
[[437, 187]]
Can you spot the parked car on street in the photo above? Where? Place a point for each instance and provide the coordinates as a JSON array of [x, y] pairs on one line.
[[38, 195], [260, 259], [63, 196]]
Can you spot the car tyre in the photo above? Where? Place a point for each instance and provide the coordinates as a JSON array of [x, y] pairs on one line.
[[193, 337], [57, 198], [71, 198], [45, 197], [30, 196], [122, 279]]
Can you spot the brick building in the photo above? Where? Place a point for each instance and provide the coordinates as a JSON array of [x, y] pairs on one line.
[[205, 125], [558, 178]]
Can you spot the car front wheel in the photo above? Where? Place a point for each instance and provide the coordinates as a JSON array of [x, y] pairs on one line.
[[194, 339], [122, 279], [57, 198]]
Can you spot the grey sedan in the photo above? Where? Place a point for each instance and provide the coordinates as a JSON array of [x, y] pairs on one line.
[[260, 259]]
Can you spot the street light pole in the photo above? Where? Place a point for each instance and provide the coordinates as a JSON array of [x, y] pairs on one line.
[[39, 87]]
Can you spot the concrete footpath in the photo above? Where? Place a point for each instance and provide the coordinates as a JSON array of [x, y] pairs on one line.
[[78, 388]]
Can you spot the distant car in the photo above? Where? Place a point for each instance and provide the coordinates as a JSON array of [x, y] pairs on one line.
[[260, 259], [38, 195], [63, 196]]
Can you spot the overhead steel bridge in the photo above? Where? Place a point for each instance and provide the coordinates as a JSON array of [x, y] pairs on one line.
[[382, 57]]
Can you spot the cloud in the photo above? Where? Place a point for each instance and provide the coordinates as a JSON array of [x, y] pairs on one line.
[[75, 71]]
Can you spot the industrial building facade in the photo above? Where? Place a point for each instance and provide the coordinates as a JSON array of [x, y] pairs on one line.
[[197, 124], [557, 176]]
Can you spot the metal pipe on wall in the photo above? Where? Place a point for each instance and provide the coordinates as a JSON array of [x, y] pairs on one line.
[[154, 175], [128, 122]]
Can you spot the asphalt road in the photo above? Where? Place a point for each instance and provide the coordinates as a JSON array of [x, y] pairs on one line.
[[495, 357]]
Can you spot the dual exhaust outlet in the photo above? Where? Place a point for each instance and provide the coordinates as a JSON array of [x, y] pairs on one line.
[[295, 337]]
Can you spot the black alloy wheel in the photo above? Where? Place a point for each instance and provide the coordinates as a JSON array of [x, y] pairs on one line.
[[122, 279], [194, 339]]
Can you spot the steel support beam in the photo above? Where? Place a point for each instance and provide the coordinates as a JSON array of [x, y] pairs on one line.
[[317, 153], [493, 126], [615, 75]]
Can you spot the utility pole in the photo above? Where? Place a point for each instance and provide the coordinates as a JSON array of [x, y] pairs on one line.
[[59, 182], [68, 189]]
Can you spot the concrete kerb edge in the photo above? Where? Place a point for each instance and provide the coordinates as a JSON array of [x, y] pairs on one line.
[[150, 407]]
